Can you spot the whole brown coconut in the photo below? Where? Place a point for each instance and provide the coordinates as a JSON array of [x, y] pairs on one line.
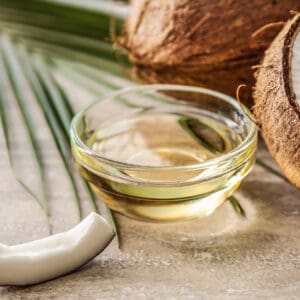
[[201, 42], [277, 99]]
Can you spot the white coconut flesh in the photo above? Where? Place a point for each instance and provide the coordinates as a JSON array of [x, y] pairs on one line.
[[295, 67], [55, 255]]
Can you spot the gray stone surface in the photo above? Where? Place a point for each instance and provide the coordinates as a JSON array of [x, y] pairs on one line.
[[223, 256]]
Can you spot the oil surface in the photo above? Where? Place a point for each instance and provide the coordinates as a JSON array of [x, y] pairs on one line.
[[160, 140], [164, 140]]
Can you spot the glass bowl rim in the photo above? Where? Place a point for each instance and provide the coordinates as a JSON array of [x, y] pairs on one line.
[[173, 87]]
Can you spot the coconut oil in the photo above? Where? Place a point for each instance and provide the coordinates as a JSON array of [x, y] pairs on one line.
[[150, 166]]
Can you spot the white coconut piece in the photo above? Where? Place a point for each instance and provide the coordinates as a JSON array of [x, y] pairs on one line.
[[56, 255]]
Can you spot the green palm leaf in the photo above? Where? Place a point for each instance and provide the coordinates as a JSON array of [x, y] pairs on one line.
[[30, 46], [10, 66]]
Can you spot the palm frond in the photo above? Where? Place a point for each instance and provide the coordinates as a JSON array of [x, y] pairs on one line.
[[44, 100], [237, 206], [62, 108], [270, 169], [11, 69], [88, 18], [35, 32]]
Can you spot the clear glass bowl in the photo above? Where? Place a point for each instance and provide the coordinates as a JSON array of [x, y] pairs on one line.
[[164, 152]]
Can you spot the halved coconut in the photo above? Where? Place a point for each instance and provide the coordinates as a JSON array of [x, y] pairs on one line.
[[277, 99]]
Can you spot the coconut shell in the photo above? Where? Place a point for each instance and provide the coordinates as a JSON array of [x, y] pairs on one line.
[[205, 43], [276, 109]]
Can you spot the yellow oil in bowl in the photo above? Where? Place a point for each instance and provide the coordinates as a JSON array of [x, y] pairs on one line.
[[155, 159]]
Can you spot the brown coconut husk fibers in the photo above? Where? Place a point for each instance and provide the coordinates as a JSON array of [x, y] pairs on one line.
[[276, 109], [206, 43]]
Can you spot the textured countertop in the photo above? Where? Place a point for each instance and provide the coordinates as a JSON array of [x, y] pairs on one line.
[[221, 257]]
